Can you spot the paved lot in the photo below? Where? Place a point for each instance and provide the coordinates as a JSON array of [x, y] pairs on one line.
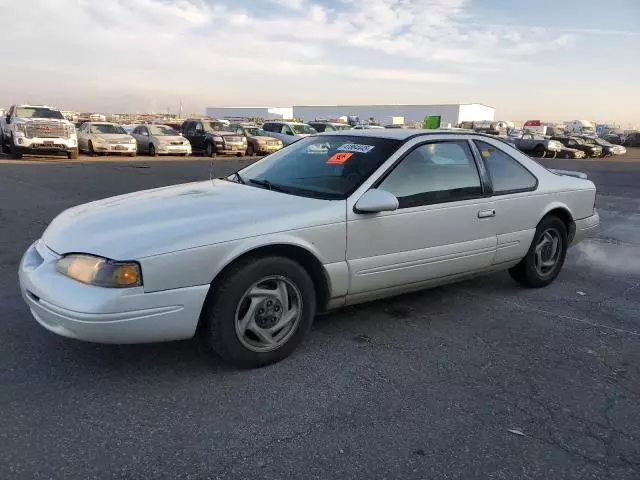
[[426, 385]]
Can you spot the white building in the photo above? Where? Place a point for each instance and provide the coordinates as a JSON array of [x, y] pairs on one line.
[[265, 113], [451, 114]]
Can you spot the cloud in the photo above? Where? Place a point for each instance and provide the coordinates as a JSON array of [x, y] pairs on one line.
[[220, 48]]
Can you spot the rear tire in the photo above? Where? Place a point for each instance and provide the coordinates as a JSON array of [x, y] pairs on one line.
[[545, 258], [230, 302]]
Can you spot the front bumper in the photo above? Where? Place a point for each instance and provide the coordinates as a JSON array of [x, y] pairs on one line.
[[225, 149], [44, 145], [174, 149], [267, 148], [127, 148], [586, 228], [105, 315]]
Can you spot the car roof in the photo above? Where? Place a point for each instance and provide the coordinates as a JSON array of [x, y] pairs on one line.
[[403, 133]]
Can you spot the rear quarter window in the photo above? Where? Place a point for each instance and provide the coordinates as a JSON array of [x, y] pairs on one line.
[[507, 174]]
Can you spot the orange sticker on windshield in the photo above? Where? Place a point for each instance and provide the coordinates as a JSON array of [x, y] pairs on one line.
[[339, 158]]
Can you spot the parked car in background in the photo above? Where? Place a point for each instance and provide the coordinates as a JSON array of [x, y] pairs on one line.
[[631, 139], [577, 143], [335, 219], [580, 127], [574, 153], [537, 146], [214, 137], [322, 126], [288, 132], [36, 130], [258, 142], [160, 140], [103, 137], [608, 149]]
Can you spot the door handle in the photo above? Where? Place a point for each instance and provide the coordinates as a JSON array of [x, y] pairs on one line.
[[486, 213]]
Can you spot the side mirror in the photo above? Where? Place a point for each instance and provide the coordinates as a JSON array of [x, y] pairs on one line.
[[376, 201]]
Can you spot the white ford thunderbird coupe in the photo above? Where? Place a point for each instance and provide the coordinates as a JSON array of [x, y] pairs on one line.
[[331, 220]]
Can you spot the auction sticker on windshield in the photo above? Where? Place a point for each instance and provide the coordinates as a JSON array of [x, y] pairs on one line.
[[339, 158], [355, 148]]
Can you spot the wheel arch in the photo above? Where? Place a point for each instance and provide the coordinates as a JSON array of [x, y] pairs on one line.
[[563, 212], [302, 254]]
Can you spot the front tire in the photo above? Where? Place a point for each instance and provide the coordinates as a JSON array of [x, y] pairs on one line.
[[92, 152], [73, 154], [250, 150], [260, 311], [15, 154], [545, 257], [210, 150], [539, 151], [152, 150]]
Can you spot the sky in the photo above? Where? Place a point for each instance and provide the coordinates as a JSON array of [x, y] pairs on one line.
[[553, 60]]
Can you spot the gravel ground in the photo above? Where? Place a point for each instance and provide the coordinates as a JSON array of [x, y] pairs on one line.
[[478, 380]]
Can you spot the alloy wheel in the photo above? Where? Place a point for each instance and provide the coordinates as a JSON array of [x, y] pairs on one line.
[[268, 314]]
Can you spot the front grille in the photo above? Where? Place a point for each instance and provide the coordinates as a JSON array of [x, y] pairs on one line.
[[273, 144], [176, 143], [44, 129], [230, 139]]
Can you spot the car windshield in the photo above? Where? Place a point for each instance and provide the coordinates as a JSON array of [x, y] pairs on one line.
[[303, 128], [602, 142], [162, 131], [216, 126], [327, 167], [108, 129], [37, 112], [255, 131]]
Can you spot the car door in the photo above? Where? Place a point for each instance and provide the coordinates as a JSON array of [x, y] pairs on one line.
[[199, 137], [526, 142], [444, 225], [83, 141], [514, 198], [143, 138], [188, 131]]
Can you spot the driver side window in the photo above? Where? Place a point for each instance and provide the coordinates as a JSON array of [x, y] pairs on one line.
[[434, 173]]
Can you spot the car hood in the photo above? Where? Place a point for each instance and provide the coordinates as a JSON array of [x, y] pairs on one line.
[[264, 138], [112, 136], [42, 120], [179, 217]]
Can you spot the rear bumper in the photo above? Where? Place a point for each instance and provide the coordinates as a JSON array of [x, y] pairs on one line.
[[586, 228]]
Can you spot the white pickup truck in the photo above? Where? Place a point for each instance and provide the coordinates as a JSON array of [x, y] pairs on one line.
[[37, 129]]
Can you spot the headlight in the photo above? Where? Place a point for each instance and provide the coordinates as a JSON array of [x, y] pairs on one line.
[[100, 271], [132, 140], [71, 130], [21, 128]]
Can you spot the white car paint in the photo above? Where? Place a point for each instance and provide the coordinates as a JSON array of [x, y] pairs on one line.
[[183, 236]]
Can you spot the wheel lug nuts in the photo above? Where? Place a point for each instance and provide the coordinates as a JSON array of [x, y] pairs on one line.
[[269, 303]]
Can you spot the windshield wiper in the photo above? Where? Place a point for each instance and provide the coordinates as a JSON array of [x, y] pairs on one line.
[[267, 184]]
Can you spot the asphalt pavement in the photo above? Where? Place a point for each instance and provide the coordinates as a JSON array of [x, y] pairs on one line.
[[478, 380]]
